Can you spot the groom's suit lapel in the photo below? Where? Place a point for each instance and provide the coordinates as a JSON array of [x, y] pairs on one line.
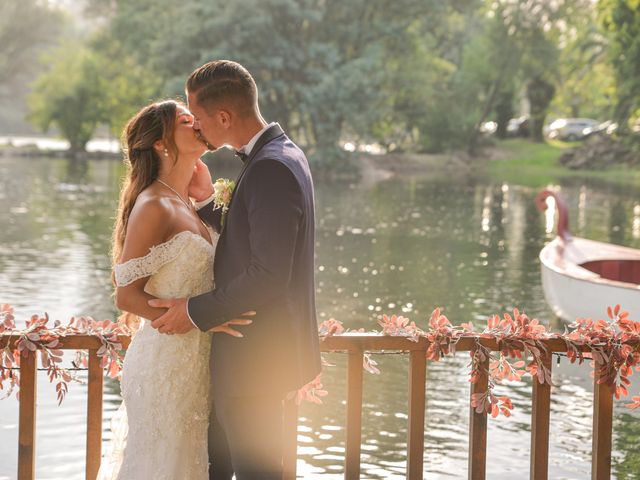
[[270, 134]]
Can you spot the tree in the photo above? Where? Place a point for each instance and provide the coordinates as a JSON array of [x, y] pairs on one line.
[[621, 22], [422, 86], [409, 74], [504, 111], [69, 96], [491, 63], [25, 27], [586, 83], [521, 46], [540, 93], [322, 66], [126, 85]]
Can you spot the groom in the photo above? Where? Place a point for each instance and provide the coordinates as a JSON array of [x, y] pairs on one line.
[[264, 263]]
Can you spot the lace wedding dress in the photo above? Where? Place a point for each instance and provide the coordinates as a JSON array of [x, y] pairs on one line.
[[160, 430]]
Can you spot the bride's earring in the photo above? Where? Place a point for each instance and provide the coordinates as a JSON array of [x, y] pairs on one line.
[[166, 152]]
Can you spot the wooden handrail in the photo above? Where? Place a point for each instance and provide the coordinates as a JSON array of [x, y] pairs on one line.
[[354, 345], [71, 342]]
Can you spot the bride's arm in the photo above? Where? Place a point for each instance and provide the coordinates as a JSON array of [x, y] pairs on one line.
[[201, 190], [147, 226]]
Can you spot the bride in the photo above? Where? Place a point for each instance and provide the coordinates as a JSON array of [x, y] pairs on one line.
[[161, 249]]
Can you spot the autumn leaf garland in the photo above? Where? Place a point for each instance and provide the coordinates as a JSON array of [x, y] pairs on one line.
[[613, 347], [38, 337]]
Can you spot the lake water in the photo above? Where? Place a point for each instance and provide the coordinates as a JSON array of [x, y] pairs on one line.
[[467, 244]]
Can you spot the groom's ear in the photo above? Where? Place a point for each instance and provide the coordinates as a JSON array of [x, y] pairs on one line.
[[225, 117]]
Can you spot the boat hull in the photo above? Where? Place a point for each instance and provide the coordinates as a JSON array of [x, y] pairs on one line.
[[573, 291]]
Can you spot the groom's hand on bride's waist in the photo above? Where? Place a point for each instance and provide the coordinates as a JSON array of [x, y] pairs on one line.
[[226, 327], [176, 319]]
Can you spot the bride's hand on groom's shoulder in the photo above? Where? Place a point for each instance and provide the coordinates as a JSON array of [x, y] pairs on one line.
[[201, 186]]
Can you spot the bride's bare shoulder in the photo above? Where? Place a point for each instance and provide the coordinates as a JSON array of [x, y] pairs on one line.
[[151, 203], [151, 213]]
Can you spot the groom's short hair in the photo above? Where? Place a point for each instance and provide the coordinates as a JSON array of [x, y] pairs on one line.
[[224, 82]]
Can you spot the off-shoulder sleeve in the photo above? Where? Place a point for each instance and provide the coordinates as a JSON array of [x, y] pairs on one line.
[[158, 256]]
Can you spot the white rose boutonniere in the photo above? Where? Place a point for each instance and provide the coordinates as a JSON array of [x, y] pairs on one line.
[[222, 191]]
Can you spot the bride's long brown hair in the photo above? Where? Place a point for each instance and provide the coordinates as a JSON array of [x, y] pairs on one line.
[[154, 122]]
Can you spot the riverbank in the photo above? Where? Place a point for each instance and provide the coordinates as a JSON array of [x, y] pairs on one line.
[[28, 147], [537, 165], [514, 161]]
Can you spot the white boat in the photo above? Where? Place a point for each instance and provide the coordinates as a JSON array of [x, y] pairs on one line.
[[582, 277]]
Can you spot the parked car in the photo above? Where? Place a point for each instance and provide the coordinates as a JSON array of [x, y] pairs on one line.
[[488, 128], [518, 127], [604, 128], [570, 129]]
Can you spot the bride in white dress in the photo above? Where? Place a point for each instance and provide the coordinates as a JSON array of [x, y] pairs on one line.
[[161, 249]]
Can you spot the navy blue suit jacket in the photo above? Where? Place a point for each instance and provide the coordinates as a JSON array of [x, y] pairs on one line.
[[264, 262]]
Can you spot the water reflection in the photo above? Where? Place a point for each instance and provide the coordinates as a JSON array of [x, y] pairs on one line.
[[618, 223], [401, 246]]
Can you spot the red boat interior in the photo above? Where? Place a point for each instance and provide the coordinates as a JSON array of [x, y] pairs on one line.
[[620, 270]]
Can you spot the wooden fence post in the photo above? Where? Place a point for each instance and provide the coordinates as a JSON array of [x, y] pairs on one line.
[[354, 415], [27, 422], [417, 386], [602, 428], [540, 414], [94, 416], [478, 430]]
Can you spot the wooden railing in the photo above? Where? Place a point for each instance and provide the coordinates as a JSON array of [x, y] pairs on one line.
[[355, 346], [27, 412]]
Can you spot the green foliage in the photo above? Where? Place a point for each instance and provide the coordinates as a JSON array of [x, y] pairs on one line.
[[326, 70], [540, 93], [520, 45], [419, 84], [69, 95], [126, 85], [621, 22], [90, 85], [25, 27], [585, 80], [412, 75]]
